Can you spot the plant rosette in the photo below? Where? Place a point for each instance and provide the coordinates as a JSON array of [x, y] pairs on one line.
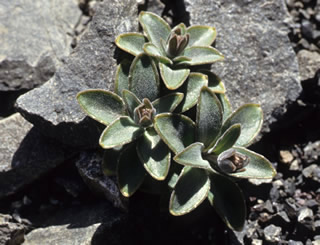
[[212, 151], [175, 50], [129, 119]]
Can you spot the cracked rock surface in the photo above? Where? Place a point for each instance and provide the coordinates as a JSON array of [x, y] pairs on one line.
[[53, 107], [35, 37]]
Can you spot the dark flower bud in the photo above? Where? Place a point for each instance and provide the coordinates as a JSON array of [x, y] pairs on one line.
[[231, 161], [176, 42], [144, 113]]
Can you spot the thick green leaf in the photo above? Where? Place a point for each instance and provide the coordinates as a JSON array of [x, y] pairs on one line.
[[173, 78], [191, 90], [200, 55], [228, 201], [214, 82], [131, 101], [110, 161], [131, 42], [103, 106], [167, 103], [180, 59], [120, 132], [192, 156], [130, 171], [177, 131], [227, 109], [209, 117], [154, 27], [122, 77], [155, 52], [154, 154], [190, 191], [250, 117], [201, 35], [144, 78], [227, 140], [258, 168]]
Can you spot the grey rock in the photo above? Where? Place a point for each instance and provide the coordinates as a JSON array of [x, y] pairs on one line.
[[260, 65], [272, 233], [82, 225], [309, 64], [35, 37], [305, 213], [310, 172], [25, 154], [11, 233], [53, 107], [89, 167], [291, 242]]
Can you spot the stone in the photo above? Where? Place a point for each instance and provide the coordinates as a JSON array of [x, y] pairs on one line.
[[292, 242], [89, 167], [272, 233], [81, 225], [305, 213], [35, 38], [309, 172], [256, 242], [25, 154], [53, 107], [309, 64], [286, 156], [11, 233], [260, 65]]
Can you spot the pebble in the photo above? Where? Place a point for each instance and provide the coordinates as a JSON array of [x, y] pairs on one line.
[[256, 242], [286, 156], [272, 233], [305, 213], [294, 166], [291, 242], [308, 172], [307, 29]]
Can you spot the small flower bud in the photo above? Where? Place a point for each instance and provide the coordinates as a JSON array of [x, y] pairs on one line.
[[176, 42], [144, 113], [231, 161]]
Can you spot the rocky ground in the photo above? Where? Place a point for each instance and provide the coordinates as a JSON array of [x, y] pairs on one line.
[[52, 190]]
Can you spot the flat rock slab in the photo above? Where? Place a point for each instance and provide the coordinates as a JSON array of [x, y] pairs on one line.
[[25, 154], [89, 167], [260, 65], [53, 107], [35, 36], [82, 225]]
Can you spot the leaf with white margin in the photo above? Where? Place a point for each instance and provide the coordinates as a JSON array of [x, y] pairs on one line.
[[154, 154], [200, 55], [155, 27], [176, 130], [131, 42], [122, 131], [190, 191], [201, 35], [143, 78], [173, 78], [250, 117], [101, 105]]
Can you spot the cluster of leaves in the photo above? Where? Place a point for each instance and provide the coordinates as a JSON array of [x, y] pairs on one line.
[[152, 140]]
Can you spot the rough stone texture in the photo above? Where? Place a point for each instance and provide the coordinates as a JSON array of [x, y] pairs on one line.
[[84, 225], [89, 167], [11, 233], [35, 36], [53, 107], [25, 154], [260, 66], [309, 64]]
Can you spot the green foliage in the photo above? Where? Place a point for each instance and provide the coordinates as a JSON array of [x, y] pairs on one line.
[[154, 141]]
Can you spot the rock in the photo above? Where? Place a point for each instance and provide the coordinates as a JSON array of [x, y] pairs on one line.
[[89, 167], [294, 166], [78, 225], [53, 107], [309, 64], [286, 156], [311, 172], [260, 65], [11, 233], [272, 233], [305, 213], [25, 154], [35, 38], [311, 152], [291, 242], [256, 242], [307, 29]]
